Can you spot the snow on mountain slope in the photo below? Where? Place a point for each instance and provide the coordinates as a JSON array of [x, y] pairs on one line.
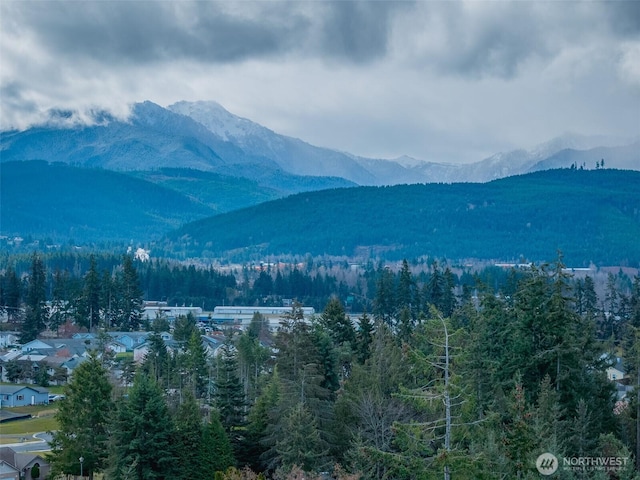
[[205, 136], [219, 120], [291, 154]]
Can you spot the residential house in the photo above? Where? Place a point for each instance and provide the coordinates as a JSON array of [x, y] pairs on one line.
[[616, 371], [130, 339], [8, 471], [21, 395], [211, 345], [35, 345], [8, 338], [27, 466]]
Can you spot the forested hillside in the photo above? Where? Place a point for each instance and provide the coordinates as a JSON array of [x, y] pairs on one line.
[[69, 203], [592, 216], [64, 202]]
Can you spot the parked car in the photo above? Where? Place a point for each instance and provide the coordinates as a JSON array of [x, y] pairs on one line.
[[55, 398]]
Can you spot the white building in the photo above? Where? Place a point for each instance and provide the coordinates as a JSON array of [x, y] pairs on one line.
[[241, 315]]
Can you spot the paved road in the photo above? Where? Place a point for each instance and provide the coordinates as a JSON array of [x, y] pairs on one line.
[[39, 442]]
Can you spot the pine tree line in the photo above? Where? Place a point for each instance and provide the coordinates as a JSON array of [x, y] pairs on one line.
[[430, 384]]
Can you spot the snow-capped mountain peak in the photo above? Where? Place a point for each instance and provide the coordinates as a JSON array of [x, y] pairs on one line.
[[218, 120]]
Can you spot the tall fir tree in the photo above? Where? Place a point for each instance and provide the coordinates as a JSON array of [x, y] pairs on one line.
[[364, 336], [129, 296], [11, 294], [91, 297], [83, 419], [229, 394], [36, 313], [197, 368], [143, 435], [216, 452], [302, 446], [188, 438]]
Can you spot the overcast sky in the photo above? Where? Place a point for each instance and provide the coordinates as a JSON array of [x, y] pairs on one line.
[[437, 80]]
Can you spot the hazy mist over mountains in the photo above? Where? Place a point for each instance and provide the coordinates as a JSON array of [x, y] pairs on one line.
[[205, 136]]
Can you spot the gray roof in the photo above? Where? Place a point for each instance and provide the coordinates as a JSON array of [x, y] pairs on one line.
[[11, 389], [18, 460]]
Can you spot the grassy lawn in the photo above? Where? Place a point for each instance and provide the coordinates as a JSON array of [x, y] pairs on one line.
[[43, 420], [26, 428], [35, 410]]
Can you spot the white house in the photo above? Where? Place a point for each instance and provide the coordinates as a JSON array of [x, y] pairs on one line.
[[8, 338], [616, 372]]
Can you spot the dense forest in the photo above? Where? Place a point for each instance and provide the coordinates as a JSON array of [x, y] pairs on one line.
[[592, 216], [442, 376], [85, 205]]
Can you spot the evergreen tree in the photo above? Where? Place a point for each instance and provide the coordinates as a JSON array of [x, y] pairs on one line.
[[263, 285], [143, 435], [519, 438], [263, 428], [449, 302], [229, 393], [83, 421], [60, 301], [252, 358], [129, 297], [36, 314], [406, 287], [216, 453], [548, 424], [581, 438], [189, 432], [157, 361], [368, 409], [439, 398], [363, 337], [384, 303], [435, 289], [489, 351], [336, 321], [302, 445], [405, 325], [11, 294], [195, 362], [91, 296], [185, 326]]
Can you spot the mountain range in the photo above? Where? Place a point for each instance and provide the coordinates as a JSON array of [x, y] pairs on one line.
[[194, 179], [204, 136]]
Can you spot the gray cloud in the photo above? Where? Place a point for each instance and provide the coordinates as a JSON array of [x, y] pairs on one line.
[[392, 77], [358, 30], [151, 31], [623, 18], [473, 38]]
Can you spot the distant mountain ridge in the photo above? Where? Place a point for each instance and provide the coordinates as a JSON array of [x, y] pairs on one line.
[[205, 136], [589, 215]]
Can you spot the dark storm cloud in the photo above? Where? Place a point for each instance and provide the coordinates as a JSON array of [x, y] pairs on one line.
[[222, 32], [624, 18], [151, 31], [469, 39], [358, 30]]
